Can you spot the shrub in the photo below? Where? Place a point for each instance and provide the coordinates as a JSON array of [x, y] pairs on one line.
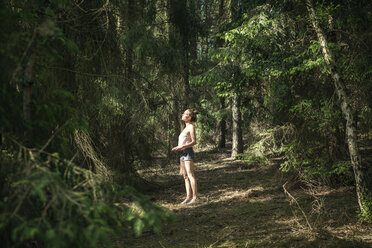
[[49, 201]]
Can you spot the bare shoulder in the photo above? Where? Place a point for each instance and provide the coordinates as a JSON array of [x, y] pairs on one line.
[[191, 127]]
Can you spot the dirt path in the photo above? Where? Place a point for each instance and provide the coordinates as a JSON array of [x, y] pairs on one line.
[[245, 206]]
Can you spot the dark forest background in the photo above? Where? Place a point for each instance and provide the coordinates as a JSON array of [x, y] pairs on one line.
[[92, 91]]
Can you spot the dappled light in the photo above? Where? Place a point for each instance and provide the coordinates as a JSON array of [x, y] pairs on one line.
[[185, 123], [245, 205]]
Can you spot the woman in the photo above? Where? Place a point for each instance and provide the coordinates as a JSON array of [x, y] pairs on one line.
[[186, 141]]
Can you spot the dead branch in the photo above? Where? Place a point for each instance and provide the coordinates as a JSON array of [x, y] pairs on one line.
[[293, 199]]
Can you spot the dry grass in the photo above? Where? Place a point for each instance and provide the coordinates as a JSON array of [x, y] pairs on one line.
[[242, 206]]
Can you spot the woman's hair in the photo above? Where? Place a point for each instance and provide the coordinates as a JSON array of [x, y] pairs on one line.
[[193, 114]]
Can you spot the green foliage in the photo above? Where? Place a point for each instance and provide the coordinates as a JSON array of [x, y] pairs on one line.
[[303, 159], [343, 171], [52, 202], [207, 119], [123, 77], [266, 143], [258, 152], [252, 159], [143, 214], [308, 60], [206, 124], [366, 214]]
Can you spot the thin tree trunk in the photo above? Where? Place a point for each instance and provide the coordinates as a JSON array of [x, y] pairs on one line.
[[169, 135], [219, 43], [193, 40], [118, 156], [176, 119], [222, 127], [130, 16], [27, 92], [185, 76], [237, 139], [185, 50], [179, 80], [174, 126], [351, 132], [221, 8]]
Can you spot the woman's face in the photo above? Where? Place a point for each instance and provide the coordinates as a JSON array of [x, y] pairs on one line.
[[186, 116]]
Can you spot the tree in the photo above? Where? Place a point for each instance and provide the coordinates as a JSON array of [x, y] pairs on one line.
[[359, 169], [237, 138]]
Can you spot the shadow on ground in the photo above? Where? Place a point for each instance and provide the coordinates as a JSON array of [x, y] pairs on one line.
[[245, 206]]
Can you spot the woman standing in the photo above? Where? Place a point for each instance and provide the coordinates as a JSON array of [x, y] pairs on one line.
[[186, 141]]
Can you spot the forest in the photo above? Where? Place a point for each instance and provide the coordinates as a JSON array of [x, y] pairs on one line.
[[92, 94]]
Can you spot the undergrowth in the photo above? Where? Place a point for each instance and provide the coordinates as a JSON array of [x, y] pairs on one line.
[[49, 201], [310, 161]]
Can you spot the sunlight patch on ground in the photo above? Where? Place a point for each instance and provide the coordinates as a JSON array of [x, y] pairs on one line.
[[351, 231], [267, 198], [204, 166], [244, 206], [222, 195], [228, 194], [287, 221], [294, 224]]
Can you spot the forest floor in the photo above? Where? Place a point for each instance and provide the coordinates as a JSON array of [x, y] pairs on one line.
[[247, 206]]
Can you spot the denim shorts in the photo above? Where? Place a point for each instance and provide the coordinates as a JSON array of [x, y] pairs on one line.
[[187, 154]]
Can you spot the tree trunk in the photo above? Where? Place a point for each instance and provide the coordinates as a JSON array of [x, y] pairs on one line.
[[179, 80], [351, 132], [222, 127], [175, 128], [27, 93], [193, 40], [185, 75], [119, 153], [237, 139], [219, 43], [186, 38], [130, 16]]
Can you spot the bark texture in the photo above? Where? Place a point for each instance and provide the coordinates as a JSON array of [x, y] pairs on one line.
[[237, 138], [27, 93], [222, 127], [351, 132]]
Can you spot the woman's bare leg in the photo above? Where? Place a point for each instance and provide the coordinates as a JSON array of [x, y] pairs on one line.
[[187, 183], [189, 167]]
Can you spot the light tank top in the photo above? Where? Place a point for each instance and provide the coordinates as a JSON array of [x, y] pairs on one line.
[[184, 138]]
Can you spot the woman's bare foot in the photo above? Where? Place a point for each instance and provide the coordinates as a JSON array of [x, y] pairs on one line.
[[193, 200], [186, 201]]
